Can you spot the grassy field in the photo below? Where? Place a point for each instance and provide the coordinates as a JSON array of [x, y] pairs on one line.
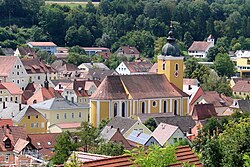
[[70, 4]]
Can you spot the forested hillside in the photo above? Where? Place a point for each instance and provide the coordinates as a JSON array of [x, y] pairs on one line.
[[132, 22]]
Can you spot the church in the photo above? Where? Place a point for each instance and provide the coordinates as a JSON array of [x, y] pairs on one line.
[[129, 95]]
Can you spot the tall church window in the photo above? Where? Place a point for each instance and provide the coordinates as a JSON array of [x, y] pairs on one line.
[[123, 109], [176, 67], [143, 107], [163, 66], [115, 109], [165, 106], [175, 107]]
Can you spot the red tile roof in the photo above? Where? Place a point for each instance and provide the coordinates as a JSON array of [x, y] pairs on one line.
[[4, 122], [11, 87], [183, 154], [138, 66], [199, 46], [139, 86], [42, 44], [129, 50], [27, 51], [33, 66], [43, 140], [203, 111], [218, 100], [72, 125], [241, 86], [6, 64]]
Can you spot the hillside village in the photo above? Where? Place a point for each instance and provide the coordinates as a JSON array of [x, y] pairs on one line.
[[83, 105]]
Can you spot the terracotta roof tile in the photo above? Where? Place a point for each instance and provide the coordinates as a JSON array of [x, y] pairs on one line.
[[4, 122], [27, 51], [43, 140], [218, 100], [203, 111], [183, 154], [241, 86], [42, 44], [130, 50], [199, 46], [138, 66], [6, 64], [12, 88]]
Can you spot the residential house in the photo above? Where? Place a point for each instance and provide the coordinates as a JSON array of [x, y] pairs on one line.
[[234, 80], [137, 67], [37, 70], [183, 154], [85, 67], [9, 91], [64, 69], [165, 133], [142, 139], [14, 146], [42, 94], [24, 115], [109, 133], [44, 143], [199, 49], [12, 70], [6, 51], [128, 51], [80, 91], [60, 86], [97, 74], [49, 47], [241, 106], [25, 52], [90, 51], [241, 89], [203, 111], [185, 123], [60, 110], [63, 127], [191, 86], [127, 125], [61, 53], [220, 101], [29, 91]]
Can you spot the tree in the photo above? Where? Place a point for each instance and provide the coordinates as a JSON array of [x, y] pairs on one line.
[[77, 49], [212, 52], [63, 148], [154, 156], [188, 39], [150, 124], [224, 66], [89, 136], [110, 148], [77, 59], [45, 56]]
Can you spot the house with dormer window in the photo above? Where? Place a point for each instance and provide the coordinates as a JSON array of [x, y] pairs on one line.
[[127, 51]]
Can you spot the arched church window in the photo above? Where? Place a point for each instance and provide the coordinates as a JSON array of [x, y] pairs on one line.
[[115, 109], [165, 106], [175, 107], [143, 108], [176, 67], [123, 109]]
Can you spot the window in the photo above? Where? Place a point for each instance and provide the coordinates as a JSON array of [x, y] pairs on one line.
[[165, 106], [11, 98], [42, 125], [163, 66], [1, 99], [36, 116], [72, 99], [115, 109], [16, 98], [7, 143], [17, 73], [38, 143], [17, 81], [65, 115], [32, 125], [6, 159], [123, 109], [49, 143], [6, 99], [38, 77], [72, 115], [154, 103], [141, 130], [34, 101], [176, 67], [80, 115], [175, 107], [57, 116], [36, 124], [143, 107], [29, 117], [175, 140]]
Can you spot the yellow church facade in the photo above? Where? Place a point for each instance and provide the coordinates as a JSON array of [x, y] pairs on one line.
[[129, 95]]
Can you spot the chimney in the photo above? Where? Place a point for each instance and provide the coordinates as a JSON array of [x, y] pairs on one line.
[[4, 106], [190, 130], [20, 106]]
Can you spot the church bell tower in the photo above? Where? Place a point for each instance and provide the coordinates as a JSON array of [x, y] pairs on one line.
[[170, 62]]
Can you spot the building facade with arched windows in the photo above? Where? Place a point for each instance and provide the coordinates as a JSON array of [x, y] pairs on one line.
[[129, 95]]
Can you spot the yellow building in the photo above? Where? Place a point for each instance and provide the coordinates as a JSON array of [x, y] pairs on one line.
[[130, 95], [24, 115], [243, 66]]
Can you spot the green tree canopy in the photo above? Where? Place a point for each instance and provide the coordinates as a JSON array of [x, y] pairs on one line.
[[224, 66]]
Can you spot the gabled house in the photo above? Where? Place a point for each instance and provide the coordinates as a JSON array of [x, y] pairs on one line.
[[203, 111], [63, 127], [24, 115], [85, 67], [90, 51], [137, 67], [12, 70], [128, 51], [127, 125], [64, 69], [165, 133], [9, 91], [25, 52], [109, 133], [191, 86], [142, 139], [49, 47], [37, 70], [241, 106], [60, 110], [242, 89], [199, 49], [80, 91]]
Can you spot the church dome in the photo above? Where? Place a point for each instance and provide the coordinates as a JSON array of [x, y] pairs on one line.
[[171, 48]]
